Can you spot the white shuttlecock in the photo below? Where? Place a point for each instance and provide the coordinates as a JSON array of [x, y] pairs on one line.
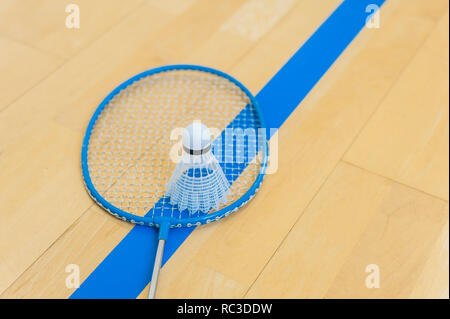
[[198, 182]]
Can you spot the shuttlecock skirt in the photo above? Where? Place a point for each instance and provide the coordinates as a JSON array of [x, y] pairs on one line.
[[198, 184]]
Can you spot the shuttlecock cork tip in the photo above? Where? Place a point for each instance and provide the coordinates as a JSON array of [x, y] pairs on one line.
[[196, 137]]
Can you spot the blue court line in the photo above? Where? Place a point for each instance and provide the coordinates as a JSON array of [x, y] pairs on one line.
[[126, 271]]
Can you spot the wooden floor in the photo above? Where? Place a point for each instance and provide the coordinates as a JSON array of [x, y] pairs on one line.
[[362, 169]]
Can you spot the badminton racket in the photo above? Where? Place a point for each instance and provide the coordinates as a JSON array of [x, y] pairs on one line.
[[128, 150]]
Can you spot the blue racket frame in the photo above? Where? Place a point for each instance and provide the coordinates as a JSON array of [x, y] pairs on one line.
[[164, 223]]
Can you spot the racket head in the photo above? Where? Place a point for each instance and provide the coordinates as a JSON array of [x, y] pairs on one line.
[[140, 92]]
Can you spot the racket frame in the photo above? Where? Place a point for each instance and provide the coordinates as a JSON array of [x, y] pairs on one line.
[[172, 222]]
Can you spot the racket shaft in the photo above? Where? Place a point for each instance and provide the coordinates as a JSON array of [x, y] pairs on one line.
[[156, 268]]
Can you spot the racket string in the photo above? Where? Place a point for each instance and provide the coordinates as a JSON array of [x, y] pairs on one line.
[[128, 151]]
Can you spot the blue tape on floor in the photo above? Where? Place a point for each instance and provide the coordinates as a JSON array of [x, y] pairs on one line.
[[126, 271]]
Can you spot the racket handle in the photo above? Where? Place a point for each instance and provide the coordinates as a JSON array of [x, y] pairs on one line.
[[156, 267]]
